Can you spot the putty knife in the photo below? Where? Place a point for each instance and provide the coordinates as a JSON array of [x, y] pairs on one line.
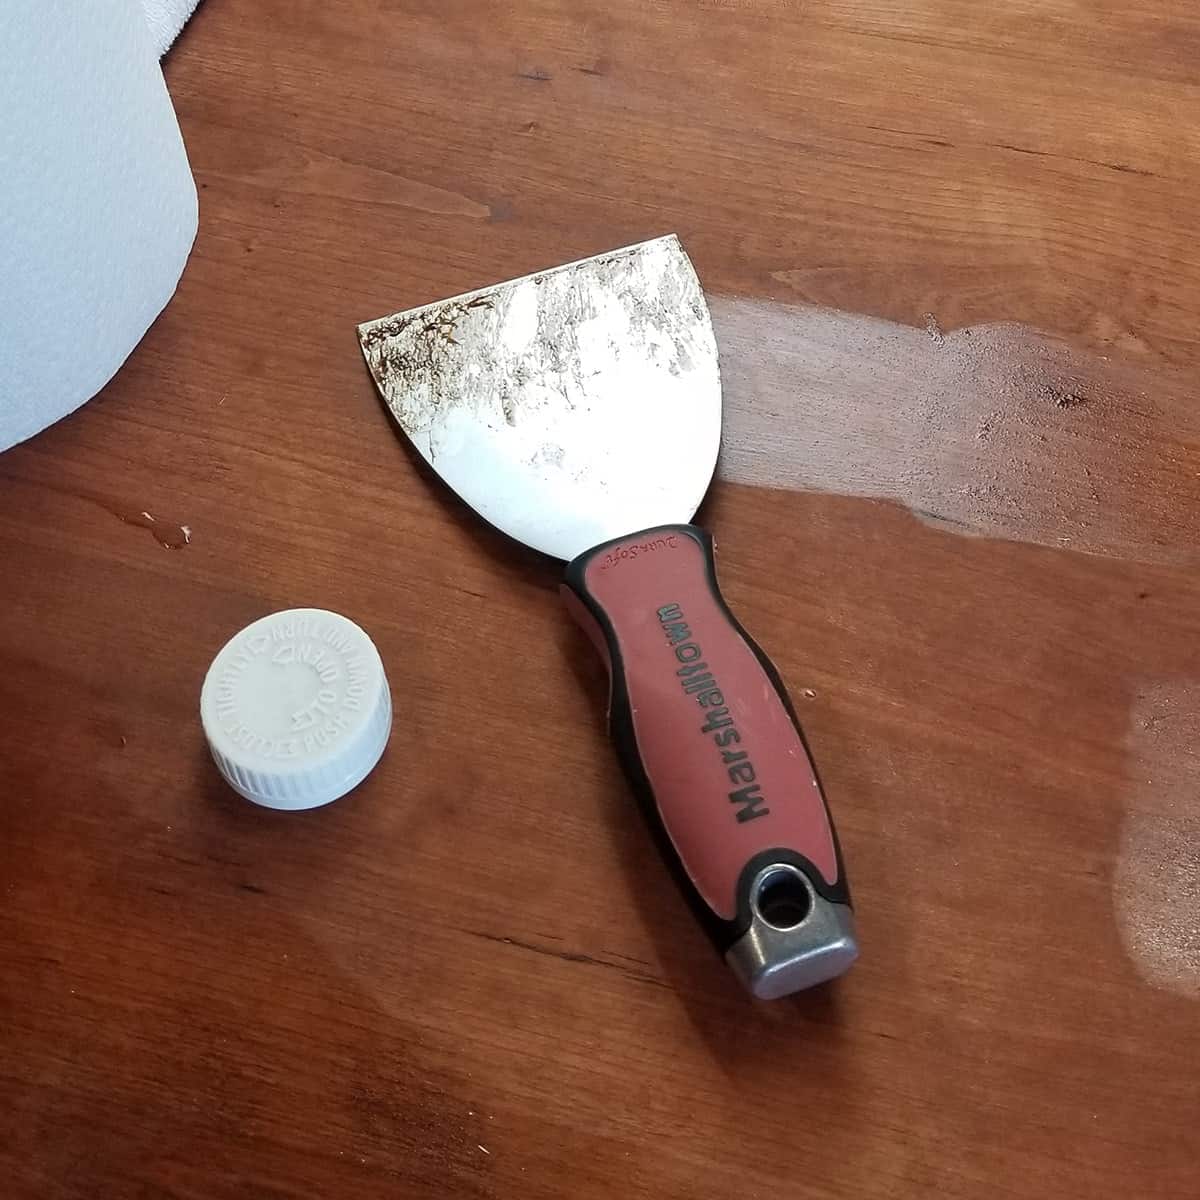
[[579, 411]]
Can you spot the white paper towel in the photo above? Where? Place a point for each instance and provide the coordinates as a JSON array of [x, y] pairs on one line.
[[97, 202], [167, 18]]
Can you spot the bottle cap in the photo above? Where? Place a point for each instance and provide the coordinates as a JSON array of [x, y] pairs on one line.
[[296, 708]]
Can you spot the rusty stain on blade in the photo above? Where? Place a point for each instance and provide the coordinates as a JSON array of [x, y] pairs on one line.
[[566, 406]]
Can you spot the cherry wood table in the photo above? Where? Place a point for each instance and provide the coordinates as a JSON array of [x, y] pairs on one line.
[[951, 254]]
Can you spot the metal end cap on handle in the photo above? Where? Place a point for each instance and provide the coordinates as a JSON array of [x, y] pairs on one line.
[[796, 939]]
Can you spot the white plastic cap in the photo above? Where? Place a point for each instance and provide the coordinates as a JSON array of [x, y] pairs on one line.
[[296, 709]]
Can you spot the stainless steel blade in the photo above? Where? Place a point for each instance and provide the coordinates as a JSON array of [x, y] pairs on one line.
[[566, 407]]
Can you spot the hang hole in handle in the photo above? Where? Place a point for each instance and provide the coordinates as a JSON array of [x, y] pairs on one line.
[[783, 898]]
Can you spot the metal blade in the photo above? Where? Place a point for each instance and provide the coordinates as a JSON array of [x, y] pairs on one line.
[[567, 407]]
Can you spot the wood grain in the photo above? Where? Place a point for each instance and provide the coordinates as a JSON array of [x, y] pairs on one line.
[[472, 977]]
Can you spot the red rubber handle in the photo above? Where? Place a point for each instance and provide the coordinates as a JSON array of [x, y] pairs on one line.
[[703, 724]]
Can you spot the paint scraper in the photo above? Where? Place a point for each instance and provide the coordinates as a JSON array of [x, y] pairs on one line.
[[578, 409]]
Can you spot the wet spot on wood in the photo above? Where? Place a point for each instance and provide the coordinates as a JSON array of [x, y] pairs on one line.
[[1156, 882], [167, 534], [1005, 432]]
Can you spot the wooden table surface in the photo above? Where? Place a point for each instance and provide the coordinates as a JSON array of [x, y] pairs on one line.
[[950, 250]]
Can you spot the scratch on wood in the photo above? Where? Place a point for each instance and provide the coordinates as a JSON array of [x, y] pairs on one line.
[[571, 956], [1122, 168]]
